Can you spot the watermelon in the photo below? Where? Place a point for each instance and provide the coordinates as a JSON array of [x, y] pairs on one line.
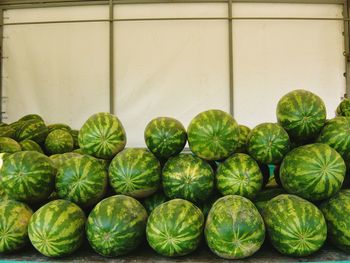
[[295, 226], [213, 135], [188, 177], [79, 151], [81, 180], [207, 205], [102, 136], [57, 228], [165, 137], [3, 124], [7, 131], [116, 226], [3, 195], [75, 134], [154, 200], [262, 198], [28, 176], [314, 172], [16, 127], [34, 130], [60, 158], [29, 145], [239, 175], [244, 132], [135, 172], [336, 211], [302, 114], [174, 228], [59, 141], [234, 228], [59, 126], [31, 117], [8, 145], [343, 108], [14, 219], [268, 143]]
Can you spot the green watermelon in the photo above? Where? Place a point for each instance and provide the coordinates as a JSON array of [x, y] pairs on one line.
[[343, 108], [3, 124], [31, 117], [28, 176], [336, 211], [154, 200], [208, 204], [302, 114], [314, 172], [174, 228], [262, 198], [234, 228], [75, 134], [14, 219], [244, 132], [295, 226], [268, 143], [165, 137], [79, 151], [81, 180], [116, 226], [34, 130], [3, 195], [8, 145], [239, 175], [29, 145], [60, 158], [135, 172], [188, 177], [7, 131], [16, 127], [57, 228], [59, 141], [213, 135], [102, 136], [59, 126]]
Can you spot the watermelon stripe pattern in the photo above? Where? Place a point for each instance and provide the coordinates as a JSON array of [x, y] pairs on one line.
[[244, 132], [34, 129], [59, 141], [154, 200], [343, 108], [29, 145], [8, 145]]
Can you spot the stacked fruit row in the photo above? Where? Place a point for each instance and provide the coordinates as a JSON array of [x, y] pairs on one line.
[[282, 180]]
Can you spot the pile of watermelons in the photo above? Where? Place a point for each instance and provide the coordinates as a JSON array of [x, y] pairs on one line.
[[283, 181]]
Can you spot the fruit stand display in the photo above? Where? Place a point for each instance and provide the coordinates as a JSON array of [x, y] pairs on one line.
[[276, 192]]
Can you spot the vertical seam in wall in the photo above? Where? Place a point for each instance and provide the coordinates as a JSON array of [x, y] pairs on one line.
[[1, 59], [111, 58], [346, 46], [230, 46]]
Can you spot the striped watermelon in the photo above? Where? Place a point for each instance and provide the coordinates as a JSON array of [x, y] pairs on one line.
[[81, 180], [34, 130], [75, 134], [234, 228], [14, 219], [239, 175], [135, 172], [58, 126], [302, 114], [60, 158], [244, 132], [213, 135], [336, 211], [59, 141], [8, 145], [208, 204], [29, 145], [174, 228], [188, 177], [28, 176], [314, 172], [262, 198], [102, 136], [295, 226], [165, 137], [154, 200], [343, 108], [116, 226], [7, 131], [3, 195], [268, 143], [31, 117], [57, 228]]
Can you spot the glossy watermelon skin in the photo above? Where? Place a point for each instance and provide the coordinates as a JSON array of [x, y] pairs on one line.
[[213, 135], [268, 143], [135, 172], [60, 158], [234, 228], [29, 117], [116, 226], [244, 132], [174, 228], [343, 108], [14, 219], [28, 176], [314, 172], [299, 232], [264, 196], [7, 131], [81, 180], [151, 202], [239, 175], [302, 114], [57, 228], [58, 126], [336, 211], [188, 177], [59, 141], [8, 145], [102, 136], [34, 130], [29, 145], [165, 137]]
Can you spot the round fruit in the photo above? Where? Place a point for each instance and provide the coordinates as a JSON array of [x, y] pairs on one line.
[[234, 228], [314, 172], [59, 141], [58, 126], [268, 143], [135, 172], [31, 117], [102, 136], [208, 204], [165, 137], [57, 228], [244, 132], [343, 108], [8, 145], [239, 175], [14, 219], [175, 228], [154, 200], [262, 198], [213, 135], [28, 176], [116, 225], [29, 145], [336, 210], [60, 158], [295, 226], [188, 177], [302, 114], [7, 131], [34, 130]]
